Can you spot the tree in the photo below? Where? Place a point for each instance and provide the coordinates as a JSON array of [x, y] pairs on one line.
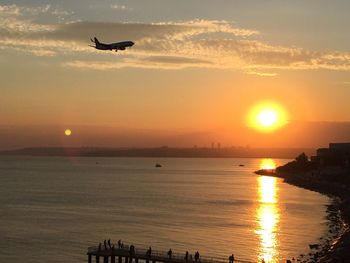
[[302, 158]]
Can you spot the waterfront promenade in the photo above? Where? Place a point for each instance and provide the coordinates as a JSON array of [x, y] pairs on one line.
[[110, 253]]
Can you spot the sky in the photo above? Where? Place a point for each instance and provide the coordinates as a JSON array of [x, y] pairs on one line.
[[197, 69]]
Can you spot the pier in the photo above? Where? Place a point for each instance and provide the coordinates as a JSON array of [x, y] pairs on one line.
[[129, 254]]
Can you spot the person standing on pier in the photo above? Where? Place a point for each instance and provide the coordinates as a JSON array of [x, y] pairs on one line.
[[132, 250], [119, 243], [170, 253], [105, 244], [149, 252], [196, 256], [186, 256], [231, 258]]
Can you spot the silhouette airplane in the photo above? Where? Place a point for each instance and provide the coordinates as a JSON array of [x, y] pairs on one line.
[[113, 46]]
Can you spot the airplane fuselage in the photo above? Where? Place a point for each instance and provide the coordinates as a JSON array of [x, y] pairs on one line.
[[114, 46]]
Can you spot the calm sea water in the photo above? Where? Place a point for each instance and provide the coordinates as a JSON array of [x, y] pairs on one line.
[[53, 208]]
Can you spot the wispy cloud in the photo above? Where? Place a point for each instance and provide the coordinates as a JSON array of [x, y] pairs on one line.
[[168, 45], [158, 62], [9, 10], [23, 14], [120, 7], [262, 74]]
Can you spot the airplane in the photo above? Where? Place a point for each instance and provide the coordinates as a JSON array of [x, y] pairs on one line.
[[116, 46]]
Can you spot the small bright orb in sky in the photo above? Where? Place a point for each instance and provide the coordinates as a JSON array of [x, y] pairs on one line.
[[267, 117], [68, 132]]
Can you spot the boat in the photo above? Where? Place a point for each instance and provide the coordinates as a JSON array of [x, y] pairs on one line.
[[158, 165]]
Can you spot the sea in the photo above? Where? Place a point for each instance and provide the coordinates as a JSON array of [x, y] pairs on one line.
[[53, 208]]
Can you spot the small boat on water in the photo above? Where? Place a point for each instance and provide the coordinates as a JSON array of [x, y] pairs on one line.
[[158, 165], [241, 165]]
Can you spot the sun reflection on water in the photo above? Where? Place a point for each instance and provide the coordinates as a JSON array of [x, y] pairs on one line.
[[267, 215], [267, 164]]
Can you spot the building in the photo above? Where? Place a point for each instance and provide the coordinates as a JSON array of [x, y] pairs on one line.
[[338, 154]]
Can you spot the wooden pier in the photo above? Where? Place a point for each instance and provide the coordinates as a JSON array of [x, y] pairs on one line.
[[129, 254]]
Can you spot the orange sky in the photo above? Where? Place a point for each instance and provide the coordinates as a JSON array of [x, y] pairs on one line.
[[190, 78]]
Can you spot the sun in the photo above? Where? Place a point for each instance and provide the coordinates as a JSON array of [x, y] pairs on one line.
[[68, 132], [267, 116]]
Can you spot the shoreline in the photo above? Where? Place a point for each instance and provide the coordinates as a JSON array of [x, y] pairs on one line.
[[335, 246]]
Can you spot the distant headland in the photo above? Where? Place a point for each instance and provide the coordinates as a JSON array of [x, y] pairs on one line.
[[164, 151]]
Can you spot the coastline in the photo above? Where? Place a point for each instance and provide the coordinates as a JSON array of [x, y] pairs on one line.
[[336, 246]]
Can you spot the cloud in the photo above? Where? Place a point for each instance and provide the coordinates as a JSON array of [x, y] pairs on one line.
[[176, 60], [156, 62], [23, 10], [262, 74], [168, 45], [24, 14], [9, 10], [119, 7]]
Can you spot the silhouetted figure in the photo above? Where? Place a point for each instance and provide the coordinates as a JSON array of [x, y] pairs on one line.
[[109, 243], [122, 245], [186, 256], [99, 246], [170, 253], [119, 243], [196, 256], [231, 258], [113, 248], [105, 244], [132, 250], [149, 252]]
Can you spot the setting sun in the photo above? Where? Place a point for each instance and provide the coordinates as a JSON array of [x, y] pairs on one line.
[[267, 117]]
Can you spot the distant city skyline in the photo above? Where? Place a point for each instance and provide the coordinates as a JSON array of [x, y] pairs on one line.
[[293, 135], [195, 73]]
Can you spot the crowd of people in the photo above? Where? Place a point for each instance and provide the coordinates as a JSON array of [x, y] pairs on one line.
[[108, 245]]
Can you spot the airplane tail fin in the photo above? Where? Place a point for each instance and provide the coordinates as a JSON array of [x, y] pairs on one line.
[[95, 40]]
